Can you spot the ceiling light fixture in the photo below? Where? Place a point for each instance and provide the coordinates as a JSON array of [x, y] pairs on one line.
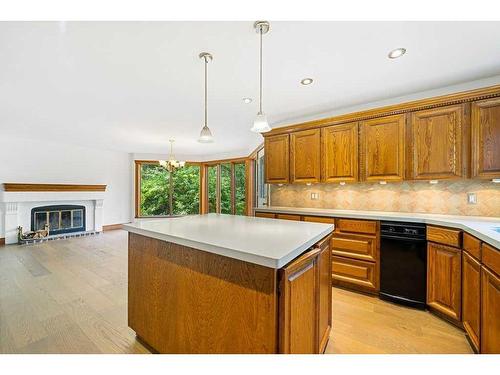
[[171, 164], [395, 53], [206, 134], [247, 100], [306, 81], [260, 124]]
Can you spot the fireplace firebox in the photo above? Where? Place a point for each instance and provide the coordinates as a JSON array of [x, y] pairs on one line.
[[60, 218]]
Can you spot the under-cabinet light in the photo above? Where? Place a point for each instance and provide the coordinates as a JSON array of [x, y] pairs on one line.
[[342, 183], [383, 182], [433, 182], [496, 180]]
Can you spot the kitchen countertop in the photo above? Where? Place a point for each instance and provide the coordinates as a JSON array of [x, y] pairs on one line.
[[270, 243], [478, 226]]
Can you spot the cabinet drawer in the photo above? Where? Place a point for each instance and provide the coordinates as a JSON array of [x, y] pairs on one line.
[[356, 226], [491, 258], [472, 245], [358, 247], [288, 217], [356, 273], [265, 214], [319, 219], [444, 236]]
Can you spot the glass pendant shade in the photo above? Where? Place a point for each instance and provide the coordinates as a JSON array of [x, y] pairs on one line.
[[206, 135], [260, 124]]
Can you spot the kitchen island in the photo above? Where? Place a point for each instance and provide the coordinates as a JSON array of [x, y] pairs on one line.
[[230, 284]]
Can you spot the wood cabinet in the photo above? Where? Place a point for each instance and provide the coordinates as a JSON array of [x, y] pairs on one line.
[[339, 153], [325, 293], [445, 236], [288, 217], [382, 147], [355, 274], [299, 305], [444, 280], [472, 245], [305, 156], [438, 143], [268, 215], [490, 312], [485, 138], [471, 298], [277, 149]]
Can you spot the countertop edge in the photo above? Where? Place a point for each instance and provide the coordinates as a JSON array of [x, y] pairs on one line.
[[231, 253], [446, 222]]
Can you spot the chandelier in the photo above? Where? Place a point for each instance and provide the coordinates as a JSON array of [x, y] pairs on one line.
[[171, 164]]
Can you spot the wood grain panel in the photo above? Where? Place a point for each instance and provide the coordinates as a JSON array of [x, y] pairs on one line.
[[354, 273], [112, 227], [471, 298], [276, 154], [472, 245], [9, 186], [319, 219], [305, 156], [325, 293], [491, 258], [288, 217], [438, 147], [2, 241], [446, 236], [299, 302], [356, 226], [444, 280], [357, 247], [339, 153], [382, 148], [490, 312], [268, 215], [183, 300], [485, 138]]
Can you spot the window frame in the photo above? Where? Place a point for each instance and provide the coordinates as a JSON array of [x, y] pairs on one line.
[[137, 187]]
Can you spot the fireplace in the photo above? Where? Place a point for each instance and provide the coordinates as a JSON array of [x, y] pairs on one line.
[[60, 218]]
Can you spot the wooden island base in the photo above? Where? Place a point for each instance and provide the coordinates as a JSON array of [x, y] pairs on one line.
[[184, 300]]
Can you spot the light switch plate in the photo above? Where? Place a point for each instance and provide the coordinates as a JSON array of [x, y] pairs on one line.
[[471, 198]]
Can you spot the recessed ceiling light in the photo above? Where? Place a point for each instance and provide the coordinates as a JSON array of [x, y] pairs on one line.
[[247, 100], [306, 81], [395, 53]]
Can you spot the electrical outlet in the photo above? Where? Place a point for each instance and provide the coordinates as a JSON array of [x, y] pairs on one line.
[[314, 196], [471, 198]]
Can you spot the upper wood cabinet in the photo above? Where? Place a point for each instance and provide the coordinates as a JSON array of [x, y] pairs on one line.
[[485, 138], [438, 143], [305, 156], [444, 280], [276, 153], [382, 148], [339, 153]]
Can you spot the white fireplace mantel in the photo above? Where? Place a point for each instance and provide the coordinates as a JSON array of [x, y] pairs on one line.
[[16, 208]]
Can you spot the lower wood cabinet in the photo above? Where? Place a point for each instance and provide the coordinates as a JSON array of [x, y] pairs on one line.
[[288, 217], [490, 312], [268, 215], [355, 274], [358, 247], [471, 298], [305, 302], [444, 280]]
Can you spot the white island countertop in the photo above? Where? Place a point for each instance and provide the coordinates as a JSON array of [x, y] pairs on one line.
[[486, 229], [270, 243]]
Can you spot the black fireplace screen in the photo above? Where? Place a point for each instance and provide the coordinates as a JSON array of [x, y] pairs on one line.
[[59, 218]]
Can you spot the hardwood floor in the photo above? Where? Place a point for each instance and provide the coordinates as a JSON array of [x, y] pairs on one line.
[[70, 296]]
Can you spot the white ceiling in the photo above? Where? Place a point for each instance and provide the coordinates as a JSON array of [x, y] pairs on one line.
[[130, 86]]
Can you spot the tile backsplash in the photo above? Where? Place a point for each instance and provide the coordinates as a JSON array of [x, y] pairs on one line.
[[445, 197]]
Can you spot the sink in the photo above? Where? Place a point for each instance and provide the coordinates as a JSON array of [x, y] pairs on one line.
[[496, 229]]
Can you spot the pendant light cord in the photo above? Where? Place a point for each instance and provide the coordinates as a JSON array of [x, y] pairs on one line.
[[260, 98], [206, 63]]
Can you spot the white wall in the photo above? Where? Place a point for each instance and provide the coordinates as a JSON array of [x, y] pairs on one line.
[[32, 161]]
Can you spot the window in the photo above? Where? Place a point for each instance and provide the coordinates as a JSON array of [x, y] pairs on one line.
[[161, 193], [261, 188], [226, 187]]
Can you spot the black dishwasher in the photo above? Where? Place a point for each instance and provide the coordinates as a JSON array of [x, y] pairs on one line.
[[403, 263]]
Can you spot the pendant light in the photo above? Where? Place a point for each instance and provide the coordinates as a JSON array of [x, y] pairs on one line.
[[260, 125], [172, 164], [206, 134]]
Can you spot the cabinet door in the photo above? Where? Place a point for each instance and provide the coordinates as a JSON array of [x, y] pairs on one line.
[[444, 279], [305, 155], [471, 297], [438, 143], [490, 312], [325, 293], [299, 302], [485, 128], [382, 148], [276, 153], [339, 153], [355, 274]]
